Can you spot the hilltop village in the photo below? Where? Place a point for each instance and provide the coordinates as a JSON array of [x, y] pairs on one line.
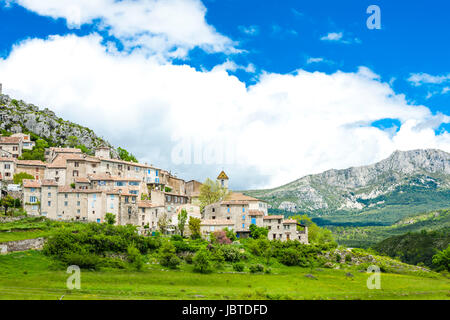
[[72, 186]]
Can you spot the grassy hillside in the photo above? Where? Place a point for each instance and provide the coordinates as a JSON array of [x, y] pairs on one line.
[[28, 275], [415, 248]]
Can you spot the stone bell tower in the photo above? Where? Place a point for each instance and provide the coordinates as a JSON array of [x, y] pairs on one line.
[[222, 178]]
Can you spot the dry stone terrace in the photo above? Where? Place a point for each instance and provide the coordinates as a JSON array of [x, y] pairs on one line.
[[73, 186]]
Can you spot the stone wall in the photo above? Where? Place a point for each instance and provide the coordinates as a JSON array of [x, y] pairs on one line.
[[11, 219], [22, 245]]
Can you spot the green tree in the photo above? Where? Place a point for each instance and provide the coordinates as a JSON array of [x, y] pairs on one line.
[[316, 234], [211, 192], [182, 218], [135, 257], [163, 223], [125, 155], [7, 202], [202, 261], [18, 177], [258, 232], [37, 153], [72, 141], [194, 227], [167, 255], [110, 218], [441, 260]]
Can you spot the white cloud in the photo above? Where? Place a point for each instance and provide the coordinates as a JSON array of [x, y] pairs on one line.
[[418, 79], [339, 37], [167, 28], [281, 128], [314, 60], [250, 30], [332, 36]]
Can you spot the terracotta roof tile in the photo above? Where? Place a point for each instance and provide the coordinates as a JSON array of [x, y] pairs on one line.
[[10, 140], [273, 217], [28, 183], [210, 222], [255, 212], [48, 182], [5, 159], [31, 163], [289, 221]]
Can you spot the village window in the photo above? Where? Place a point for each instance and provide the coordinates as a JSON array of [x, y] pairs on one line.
[[75, 173], [279, 220], [126, 199], [129, 210], [65, 195], [7, 166], [128, 168], [107, 166], [49, 203], [243, 217], [213, 209], [66, 203], [274, 236], [77, 164], [143, 218], [32, 190], [213, 217], [57, 179], [243, 209], [78, 210], [119, 167], [7, 174], [15, 148], [143, 210], [243, 226], [78, 203], [33, 199], [49, 194]]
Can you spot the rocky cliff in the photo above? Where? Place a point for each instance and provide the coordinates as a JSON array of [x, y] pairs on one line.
[[19, 116]]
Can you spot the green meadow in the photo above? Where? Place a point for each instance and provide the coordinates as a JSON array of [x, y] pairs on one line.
[[30, 275]]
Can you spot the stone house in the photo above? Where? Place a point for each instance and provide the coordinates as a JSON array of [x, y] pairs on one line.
[[7, 169], [27, 144], [32, 196], [35, 168], [12, 145]]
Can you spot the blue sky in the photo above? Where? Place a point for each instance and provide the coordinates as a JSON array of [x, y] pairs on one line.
[[409, 54]]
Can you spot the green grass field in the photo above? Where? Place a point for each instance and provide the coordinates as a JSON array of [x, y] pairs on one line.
[[29, 275]]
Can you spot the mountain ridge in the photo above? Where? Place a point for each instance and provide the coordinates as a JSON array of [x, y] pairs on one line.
[[357, 189]]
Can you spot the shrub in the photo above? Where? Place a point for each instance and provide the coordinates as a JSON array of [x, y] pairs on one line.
[[83, 260], [289, 257], [220, 237], [188, 257], [254, 268], [231, 253], [202, 261], [338, 258], [239, 267], [348, 258], [134, 257], [258, 232], [176, 237], [167, 256]]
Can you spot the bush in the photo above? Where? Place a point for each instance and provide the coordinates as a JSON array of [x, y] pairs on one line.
[[202, 261], [231, 253], [220, 237], [188, 257], [256, 268], [348, 258], [290, 257], [258, 232], [338, 258], [83, 260], [167, 256], [239, 267], [176, 237], [134, 257]]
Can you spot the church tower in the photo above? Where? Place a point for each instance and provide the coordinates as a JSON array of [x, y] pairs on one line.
[[223, 179]]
